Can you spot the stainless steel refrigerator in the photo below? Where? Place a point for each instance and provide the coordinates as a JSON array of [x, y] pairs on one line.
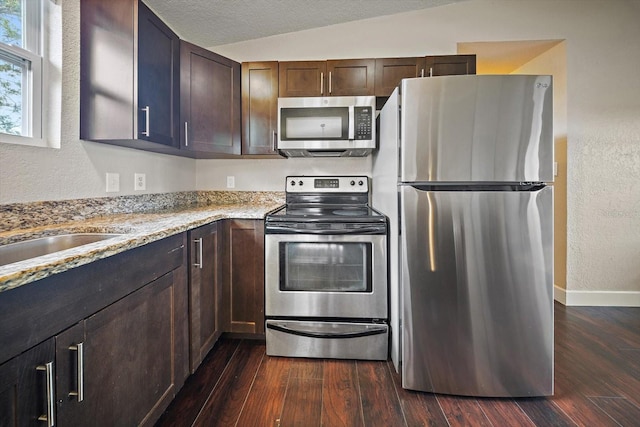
[[463, 172]]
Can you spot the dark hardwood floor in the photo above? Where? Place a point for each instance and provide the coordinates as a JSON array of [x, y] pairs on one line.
[[597, 383]]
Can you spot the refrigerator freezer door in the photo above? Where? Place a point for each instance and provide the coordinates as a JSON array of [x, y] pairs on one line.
[[477, 128], [477, 280]]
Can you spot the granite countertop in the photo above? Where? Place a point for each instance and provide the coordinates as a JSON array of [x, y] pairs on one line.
[[134, 229]]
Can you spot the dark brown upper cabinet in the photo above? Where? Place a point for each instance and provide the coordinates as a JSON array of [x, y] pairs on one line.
[[129, 76], [259, 108], [449, 65], [389, 71], [345, 77], [210, 103]]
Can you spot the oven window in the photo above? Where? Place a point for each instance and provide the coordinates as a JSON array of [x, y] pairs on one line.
[[325, 267]]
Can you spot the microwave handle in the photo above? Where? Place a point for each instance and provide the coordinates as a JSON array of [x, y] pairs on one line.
[[352, 125]]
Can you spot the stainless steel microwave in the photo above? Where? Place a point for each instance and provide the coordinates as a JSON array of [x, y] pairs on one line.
[[336, 126]]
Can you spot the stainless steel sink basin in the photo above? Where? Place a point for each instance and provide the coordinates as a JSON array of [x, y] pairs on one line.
[[27, 249]]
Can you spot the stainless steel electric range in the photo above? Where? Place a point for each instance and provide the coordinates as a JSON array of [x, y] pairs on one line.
[[326, 271]]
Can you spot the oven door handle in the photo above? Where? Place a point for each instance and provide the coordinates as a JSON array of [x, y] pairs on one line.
[[313, 334], [277, 229]]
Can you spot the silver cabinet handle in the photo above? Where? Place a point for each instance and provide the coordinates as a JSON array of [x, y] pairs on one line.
[[330, 83], [430, 71], [186, 134], [50, 415], [274, 141], [199, 260], [321, 83], [422, 72], [146, 126], [79, 349]]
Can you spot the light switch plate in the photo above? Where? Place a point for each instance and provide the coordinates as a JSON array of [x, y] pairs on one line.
[[231, 182], [113, 182]]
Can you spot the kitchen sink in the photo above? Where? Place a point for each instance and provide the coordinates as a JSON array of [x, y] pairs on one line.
[[20, 251]]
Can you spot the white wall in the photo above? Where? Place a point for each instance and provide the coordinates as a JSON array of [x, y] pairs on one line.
[[77, 169], [603, 108]]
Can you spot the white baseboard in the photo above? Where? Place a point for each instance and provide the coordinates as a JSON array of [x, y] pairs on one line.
[[597, 298]]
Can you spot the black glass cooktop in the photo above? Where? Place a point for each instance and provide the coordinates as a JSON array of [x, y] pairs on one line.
[[344, 213]]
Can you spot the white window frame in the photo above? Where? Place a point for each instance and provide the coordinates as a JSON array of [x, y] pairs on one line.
[[32, 56]]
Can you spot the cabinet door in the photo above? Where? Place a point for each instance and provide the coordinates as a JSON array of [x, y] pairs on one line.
[[302, 78], [351, 77], [158, 84], [389, 72], [204, 291], [27, 397], [132, 356], [69, 373], [244, 276], [448, 65], [210, 101], [259, 107]]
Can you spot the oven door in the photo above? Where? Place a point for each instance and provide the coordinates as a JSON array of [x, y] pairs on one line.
[[326, 276]]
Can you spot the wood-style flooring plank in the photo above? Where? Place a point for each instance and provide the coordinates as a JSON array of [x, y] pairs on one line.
[[462, 411], [622, 410], [543, 412], [306, 368], [419, 409], [264, 404], [504, 412], [341, 405], [380, 405], [226, 402], [303, 403], [189, 402]]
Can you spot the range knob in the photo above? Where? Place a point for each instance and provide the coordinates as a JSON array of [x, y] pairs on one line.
[[300, 182], [293, 183], [360, 183], [353, 182]]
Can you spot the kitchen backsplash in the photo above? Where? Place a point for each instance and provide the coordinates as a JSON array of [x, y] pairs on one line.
[[26, 215]]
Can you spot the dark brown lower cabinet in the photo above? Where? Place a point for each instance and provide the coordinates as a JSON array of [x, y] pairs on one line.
[[119, 363], [129, 353], [204, 291], [243, 272]]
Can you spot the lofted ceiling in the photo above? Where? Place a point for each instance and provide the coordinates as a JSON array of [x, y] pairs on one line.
[[216, 22]]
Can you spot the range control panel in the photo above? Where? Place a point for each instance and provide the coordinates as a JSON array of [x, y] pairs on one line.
[[327, 184]]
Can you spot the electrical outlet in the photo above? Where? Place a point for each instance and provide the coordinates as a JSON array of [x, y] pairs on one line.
[[231, 182], [113, 182], [139, 181]]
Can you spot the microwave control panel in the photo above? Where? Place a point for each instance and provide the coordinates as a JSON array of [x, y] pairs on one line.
[[363, 120]]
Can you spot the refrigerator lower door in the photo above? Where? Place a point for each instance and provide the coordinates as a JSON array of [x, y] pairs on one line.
[[477, 297]]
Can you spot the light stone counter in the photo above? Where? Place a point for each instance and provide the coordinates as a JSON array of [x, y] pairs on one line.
[[137, 228]]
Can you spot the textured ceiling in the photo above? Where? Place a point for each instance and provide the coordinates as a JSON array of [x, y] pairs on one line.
[[216, 22]]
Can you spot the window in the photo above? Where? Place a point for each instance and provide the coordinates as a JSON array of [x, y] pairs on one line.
[[23, 65]]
